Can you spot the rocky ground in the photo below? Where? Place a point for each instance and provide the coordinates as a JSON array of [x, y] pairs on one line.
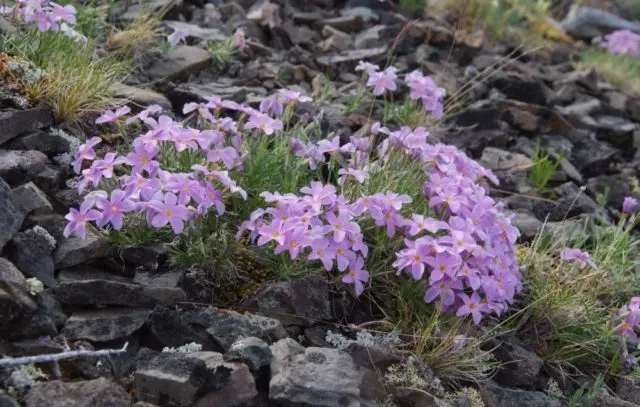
[[274, 350]]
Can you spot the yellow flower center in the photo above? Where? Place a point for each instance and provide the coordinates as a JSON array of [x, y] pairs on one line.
[[168, 213]]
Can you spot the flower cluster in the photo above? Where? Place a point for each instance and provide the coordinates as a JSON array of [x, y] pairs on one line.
[[623, 42], [630, 315], [582, 259], [47, 15], [422, 88]]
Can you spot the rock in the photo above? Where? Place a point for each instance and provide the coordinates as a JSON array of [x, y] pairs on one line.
[[32, 347], [16, 306], [360, 12], [6, 401], [587, 22], [345, 23], [195, 31], [519, 367], [228, 329], [265, 13], [482, 115], [15, 122], [496, 396], [299, 301], [177, 380], [616, 131], [49, 305], [44, 141], [519, 88], [10, 216], [165, 279], [104, 325], [88, 286], [168, 327], [91, 393], [179, 63], [369, 54], [373, 358], [73, 251], [587, 78], [254, 352], [410, 397], [522, 120], [31, 251], [628, 388], [526, 222], [633, 108], [300, 35], [148, 257], [616, 188], [604, 399], [239, 390], [497, 159], [28, 198], [187, 92], [308, 376], [141, 96], [49, 179], [369, 38], [590, 156], [271, 328], [39, 326], [18, 167]]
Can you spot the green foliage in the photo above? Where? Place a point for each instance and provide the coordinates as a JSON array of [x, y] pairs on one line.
[[91, 17], [586, 394], [78, 82], [620, 70], [222, 51], [408, 113], [413, 5], [543, 169]]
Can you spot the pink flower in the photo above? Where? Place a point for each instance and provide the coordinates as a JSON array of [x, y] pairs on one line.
[[85, 152], [168, 211], [382, 81], [114, 208], [472, 305], [264, 123], [623, 42], [356, 275], [177, 36], [576, 255], [78, 219], [340, 225], [367, 67], [291, 97], [274, 231], [239, 40], [63, 13], [319, 251], [629, 204], [352, 173], [110, 116]]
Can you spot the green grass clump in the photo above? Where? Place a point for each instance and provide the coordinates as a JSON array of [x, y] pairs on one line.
[[620, 70], [78, 83], [543, 169]]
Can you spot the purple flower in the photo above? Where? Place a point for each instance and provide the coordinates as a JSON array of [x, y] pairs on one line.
[[445, 290], [168, 211], [271, 106], [63, 13], [239, 40], [329, 146], [274, 231], [319, 251], [144, 114], [294, 242], [108, 163], [78, 219], [111, 116], [576, 255], [356, 275], [382, 81], [368, 67], [113, 208], [291, 97], [352, 173], [629, 204], [472, 305], [319, 194], [177, 36], [443, 264], [85, 152], [623, 42], [141, 159], [340, 225], [264, 123]]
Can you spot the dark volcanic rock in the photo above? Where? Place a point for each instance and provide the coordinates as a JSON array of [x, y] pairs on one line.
[[72, 251], [296, 302], [16, 306], [29, 198], [254, 352], [92, 393], [180, 63], [88, 286], [15, 122], [496, 396], [10, 216], [19, 167], [105, 325], [31, 251], [519, 88]]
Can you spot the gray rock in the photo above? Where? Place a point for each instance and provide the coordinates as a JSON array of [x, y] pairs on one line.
[[587, 22], [373, 358], [29, 198], [41, 325], [142, 96], [74, 250], [351, 56], [633, 108], [91, 393], [38, 346], [180, 63], [104, 325], [252, 351], [49, 305], [363, 13], [497, 159], [31, 251], [526, 222], [520, 88], [6, 401], [228, 329], [16, 306], [176, 379], [19, 167], [519, 367], [410, 397], [522, 120], [628, 389], [166, 279], [43, 141], [15, 122], [496, 396], [369, 38], [616, 187], [149, 257], [271, 328], [195, 31], [590, 156], [309, 376], [92, 287], [238, 390], [50, 179], [615, 130], [604, 399], [225, 88], [296, 302], [10, 216], [482, 115]]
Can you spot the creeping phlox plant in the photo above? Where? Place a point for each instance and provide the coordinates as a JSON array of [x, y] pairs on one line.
[[623, 42], [449, 234], [48, 16]]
